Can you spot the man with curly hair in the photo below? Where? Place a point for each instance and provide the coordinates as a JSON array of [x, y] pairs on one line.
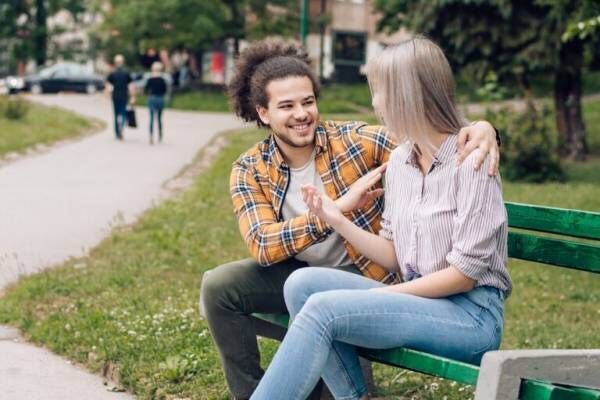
[[274, 86]]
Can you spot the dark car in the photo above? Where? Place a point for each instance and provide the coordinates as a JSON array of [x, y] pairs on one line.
[[64, 77]]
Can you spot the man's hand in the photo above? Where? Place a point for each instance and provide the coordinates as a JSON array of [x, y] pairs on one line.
[[480, 135], [321, 205], [361, 192]]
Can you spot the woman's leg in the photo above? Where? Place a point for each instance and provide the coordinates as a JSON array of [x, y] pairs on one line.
[[159, 117], [152, 112], [455, 327]]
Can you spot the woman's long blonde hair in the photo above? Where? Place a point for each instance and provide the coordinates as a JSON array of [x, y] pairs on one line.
[[414, 83]]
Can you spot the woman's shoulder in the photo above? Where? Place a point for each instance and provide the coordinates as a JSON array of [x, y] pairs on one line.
[[401, 152]]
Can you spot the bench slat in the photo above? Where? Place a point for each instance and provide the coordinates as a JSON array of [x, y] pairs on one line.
[[584, 224], [535, 390], [585, 257], [424, 363]]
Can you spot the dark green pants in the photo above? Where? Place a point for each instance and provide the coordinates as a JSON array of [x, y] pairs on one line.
[[229, 294]]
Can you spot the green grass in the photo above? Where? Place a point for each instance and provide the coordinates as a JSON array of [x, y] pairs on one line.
[[130, 307], [41, 125]]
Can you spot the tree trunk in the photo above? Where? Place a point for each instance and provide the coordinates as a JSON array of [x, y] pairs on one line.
[[567, 101]]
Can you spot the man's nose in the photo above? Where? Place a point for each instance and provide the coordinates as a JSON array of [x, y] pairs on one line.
[[300, 113]]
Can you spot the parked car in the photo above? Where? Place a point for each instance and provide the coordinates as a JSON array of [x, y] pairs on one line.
[[11, 84], [64, 77]]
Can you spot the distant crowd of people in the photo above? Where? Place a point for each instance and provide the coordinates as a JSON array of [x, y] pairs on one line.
[[180, 64]]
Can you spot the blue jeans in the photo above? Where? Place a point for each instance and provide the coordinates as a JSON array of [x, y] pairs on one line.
[[120, 110], [156, 105], [334, 311]]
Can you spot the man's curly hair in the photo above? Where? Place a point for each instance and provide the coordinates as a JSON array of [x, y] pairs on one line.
[[259, 64]]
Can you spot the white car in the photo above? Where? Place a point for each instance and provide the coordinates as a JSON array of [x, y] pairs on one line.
[[11, 84]]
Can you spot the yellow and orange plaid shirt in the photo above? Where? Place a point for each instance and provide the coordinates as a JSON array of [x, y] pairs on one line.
[[344, 151]]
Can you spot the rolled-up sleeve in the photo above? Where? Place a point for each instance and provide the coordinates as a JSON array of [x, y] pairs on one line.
[[479, 221]]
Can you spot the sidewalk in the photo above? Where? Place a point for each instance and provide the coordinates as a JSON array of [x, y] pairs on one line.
[[62, 203]]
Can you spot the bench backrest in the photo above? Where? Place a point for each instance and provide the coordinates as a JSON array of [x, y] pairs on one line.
[[561, 248]]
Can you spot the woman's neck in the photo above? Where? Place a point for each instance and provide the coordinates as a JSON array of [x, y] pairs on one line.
[[425, 156]]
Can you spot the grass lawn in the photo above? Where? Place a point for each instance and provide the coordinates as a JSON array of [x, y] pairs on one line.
[[41, 125], [130, 308]]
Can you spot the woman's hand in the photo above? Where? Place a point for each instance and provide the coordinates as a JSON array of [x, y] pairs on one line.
[[480, 135], [321, 205], [361, 192]]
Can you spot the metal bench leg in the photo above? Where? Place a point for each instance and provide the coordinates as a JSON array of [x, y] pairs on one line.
[[501, 372]]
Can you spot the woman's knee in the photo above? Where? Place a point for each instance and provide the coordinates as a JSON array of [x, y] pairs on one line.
[[298, 288], [319, 313]]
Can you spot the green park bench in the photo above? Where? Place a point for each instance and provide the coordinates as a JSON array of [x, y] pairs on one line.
[[557, 246]]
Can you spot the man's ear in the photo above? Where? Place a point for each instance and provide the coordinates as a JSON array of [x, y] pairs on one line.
[[263, 114]]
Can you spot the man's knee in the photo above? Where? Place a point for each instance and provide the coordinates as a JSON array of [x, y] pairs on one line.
[[216, 286]]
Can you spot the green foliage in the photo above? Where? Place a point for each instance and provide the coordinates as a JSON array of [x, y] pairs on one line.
[[131, 26], [162, 23], [581, 29], [516, 39], [14, 108], [528, 150], [491, 90]]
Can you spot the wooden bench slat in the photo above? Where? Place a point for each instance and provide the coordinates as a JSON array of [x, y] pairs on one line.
[[585, 257], [539, 390], [424, 363], [584, 224], [535, 390]]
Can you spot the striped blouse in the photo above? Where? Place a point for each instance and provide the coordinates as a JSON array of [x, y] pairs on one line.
[[453, 215]]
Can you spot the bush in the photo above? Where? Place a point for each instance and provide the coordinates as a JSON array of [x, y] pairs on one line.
[[529, 150], [13, 108]]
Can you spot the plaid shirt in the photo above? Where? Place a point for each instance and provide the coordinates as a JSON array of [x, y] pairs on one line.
[[344, 151]]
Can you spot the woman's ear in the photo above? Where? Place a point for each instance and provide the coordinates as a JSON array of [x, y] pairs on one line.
[[263, 114]]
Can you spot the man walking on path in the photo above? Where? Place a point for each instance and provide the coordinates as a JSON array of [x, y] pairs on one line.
[[119, 83], [274, 86]]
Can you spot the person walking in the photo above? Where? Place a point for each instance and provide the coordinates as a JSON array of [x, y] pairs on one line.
[[156, 89], [119, 84]]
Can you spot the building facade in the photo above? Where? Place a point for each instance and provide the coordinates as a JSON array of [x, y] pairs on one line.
[[347, 38]]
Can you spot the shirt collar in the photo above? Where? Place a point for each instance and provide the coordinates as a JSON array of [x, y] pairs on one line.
[[445, 153]]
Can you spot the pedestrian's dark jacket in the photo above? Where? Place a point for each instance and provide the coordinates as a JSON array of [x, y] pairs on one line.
[[156, 86], [120, 80]]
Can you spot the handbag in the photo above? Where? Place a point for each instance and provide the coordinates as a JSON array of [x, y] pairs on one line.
[[131, 119]]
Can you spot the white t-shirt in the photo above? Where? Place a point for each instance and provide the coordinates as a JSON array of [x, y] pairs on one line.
[[328, 253]]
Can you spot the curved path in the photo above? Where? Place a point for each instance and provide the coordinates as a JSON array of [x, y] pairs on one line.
[[61, 203]]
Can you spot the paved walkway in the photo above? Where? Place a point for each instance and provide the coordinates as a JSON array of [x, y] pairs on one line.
[[62, 203]]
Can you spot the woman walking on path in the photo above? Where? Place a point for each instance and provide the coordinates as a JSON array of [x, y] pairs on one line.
[[444, 228], [156, 89]]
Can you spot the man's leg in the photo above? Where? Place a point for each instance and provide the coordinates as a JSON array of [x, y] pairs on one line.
[[229, 294], [116, 113]]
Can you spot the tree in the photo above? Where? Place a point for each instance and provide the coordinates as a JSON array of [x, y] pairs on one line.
[[517, 39], [131, 25], [196, 24], [24, 22]]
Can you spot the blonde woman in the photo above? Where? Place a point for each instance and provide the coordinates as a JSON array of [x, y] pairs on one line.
[[444, 228], [156, 89]]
